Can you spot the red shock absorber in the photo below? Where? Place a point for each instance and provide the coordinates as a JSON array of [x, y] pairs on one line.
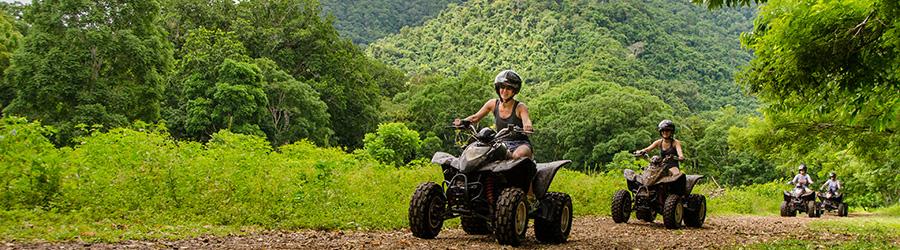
[[489, 189]]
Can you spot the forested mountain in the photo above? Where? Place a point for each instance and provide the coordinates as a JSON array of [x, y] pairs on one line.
[[364, 21], [682, 53]]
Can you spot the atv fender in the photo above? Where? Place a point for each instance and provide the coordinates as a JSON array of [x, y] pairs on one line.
[[544, 176], [443, 159], [692, 180]]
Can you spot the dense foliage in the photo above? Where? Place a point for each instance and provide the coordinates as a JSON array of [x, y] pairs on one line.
[[827, 72], [82, 64], [112, 63], [139, 183], [364, 22], [10, 38]]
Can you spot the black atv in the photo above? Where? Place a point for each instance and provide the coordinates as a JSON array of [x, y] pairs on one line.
[[832, 201], [799, 199], [488, 191], [658, 190]]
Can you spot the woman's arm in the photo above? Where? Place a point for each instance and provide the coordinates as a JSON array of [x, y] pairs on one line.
[[678, 148], [475, 118], [526, 119], [651, 147]]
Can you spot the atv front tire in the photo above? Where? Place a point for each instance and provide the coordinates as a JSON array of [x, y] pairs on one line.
[[786, 210], [512, 217], [811, 209], [426, 211], [842, 209], [621, 206], [695, 214], [474, 225], [557, 227], [673, 212]]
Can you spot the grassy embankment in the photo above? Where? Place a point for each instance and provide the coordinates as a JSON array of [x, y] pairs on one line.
[[140, 184]]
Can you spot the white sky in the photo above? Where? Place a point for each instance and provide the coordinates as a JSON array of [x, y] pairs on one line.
[[10, 1]]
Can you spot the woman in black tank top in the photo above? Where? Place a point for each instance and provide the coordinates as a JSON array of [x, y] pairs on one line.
[[668, 145], [507, 110]]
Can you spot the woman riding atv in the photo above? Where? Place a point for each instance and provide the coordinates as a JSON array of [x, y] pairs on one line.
[[802, 178], [832, 184], [507, 111], [668, 145]]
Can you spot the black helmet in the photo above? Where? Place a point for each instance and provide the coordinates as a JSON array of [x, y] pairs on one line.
[[832, 175], [507, 77], [802, 167], [666, 125]]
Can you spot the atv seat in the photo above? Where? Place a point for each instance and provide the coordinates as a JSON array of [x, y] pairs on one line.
[[544, 176]]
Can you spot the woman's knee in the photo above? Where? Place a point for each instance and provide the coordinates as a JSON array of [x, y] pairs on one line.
[[522, 151]]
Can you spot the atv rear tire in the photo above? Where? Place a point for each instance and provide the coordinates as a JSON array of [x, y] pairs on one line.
[[512, 217], [786, 210], [426, 211], [645, 215], [673, 212], [621, 206], [474, 225], [695, 214], [557, 227], [842, 210], [811, 209]]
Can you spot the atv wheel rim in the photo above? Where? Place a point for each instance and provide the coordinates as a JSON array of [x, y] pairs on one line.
[[702, 211], [564, 221], [433, 218], [521, 219], [679, 213]]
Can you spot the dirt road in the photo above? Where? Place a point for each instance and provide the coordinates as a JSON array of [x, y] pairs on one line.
[[588, 233]]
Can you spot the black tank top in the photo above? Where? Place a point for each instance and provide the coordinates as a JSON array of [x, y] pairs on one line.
[[513, 119], [667, 152]]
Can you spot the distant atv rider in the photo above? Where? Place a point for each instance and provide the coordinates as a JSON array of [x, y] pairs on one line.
[[802, 178], [668, 145], [507, 110]]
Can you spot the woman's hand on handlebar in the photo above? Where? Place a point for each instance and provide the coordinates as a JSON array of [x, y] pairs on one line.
[[528, 129], [461, 123]]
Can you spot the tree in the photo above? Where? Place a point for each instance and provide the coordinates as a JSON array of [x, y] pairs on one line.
[[588, 121], [182, 16], [291, 33], [827, 72], [434, 101], [90, 62], [10, 38], [294, 110]]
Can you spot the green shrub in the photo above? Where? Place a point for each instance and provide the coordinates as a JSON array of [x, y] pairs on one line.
[[393, 143], [29, 164]]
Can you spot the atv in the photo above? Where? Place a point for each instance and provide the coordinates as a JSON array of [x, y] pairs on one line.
[[832, 201], [659, 190], [489, 192], [799, 199]]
